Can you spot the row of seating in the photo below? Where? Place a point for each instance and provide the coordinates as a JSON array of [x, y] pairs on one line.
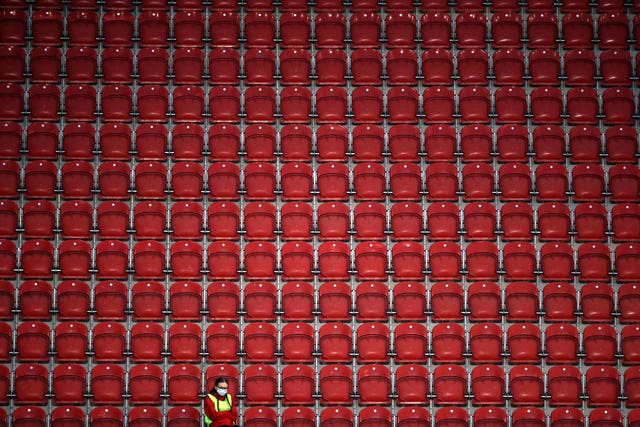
[[398, 66], [297, 301], [523, 385], [62, 416], [295, 104], [517, 261], [325, 5], [336, 342], [587, 222], [294, 142], [339, 416], [614, 67], [549, 182], [299, 30]]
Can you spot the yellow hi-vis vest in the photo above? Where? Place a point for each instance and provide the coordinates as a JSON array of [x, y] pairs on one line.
[[220, 406]]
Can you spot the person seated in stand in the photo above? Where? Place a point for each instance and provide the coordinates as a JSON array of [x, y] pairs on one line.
[[219, 408]]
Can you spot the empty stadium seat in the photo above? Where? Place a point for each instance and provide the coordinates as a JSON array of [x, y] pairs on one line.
[[370, 221], [223, 301], [602, 384], [488, 385], [447, 301], [260, 301], [69, 384], [334, 301]]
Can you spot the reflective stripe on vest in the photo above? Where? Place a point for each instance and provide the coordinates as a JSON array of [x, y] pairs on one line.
[[218, 406]]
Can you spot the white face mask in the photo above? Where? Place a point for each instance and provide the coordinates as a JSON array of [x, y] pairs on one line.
[[221, 391]]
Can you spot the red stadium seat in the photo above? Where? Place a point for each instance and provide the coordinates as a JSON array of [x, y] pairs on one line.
[[15, 28], [296, 181], [332, 143], [471, 30], [260, 28], [406, 221], [109, 341], [334, 261], [223, 301], [508, 67], [153, 65], [223, 341], [624, 183], [450, 385], [559, 302], [336, 384], [13, 102], [400, 29], [69, 384], [613, 30], [597, 302], [565, 385], [106, 415], [186, 220], [335, 343], [510, 107], [435, 28], [9, 219], [330, 30], [473, 69], [183, 385], [223, 260], [372, 301], [188, 28], [335, 301], [110, 300], [580, 67], [297, 260], [185, 301], [296, 342], [149, 220], [521, 301], [485, 343], [438, 105], [260, 261], [590, 222], [626, 255], [556, 261], [490, 415], [402, 66], [602, 384], [600, 344], [446, 301], [526, 385], [107, 384], [225, 27], [629, 337], [488, 385], [506, 30], [73, 300], [623, 223], [571, 417], [260, 386], [297, 301], [331, 67], [374, 385], [295, 29], [437, 66], [184, 342], [524, 343], [186, 260], [260, 301], [149, 260]]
